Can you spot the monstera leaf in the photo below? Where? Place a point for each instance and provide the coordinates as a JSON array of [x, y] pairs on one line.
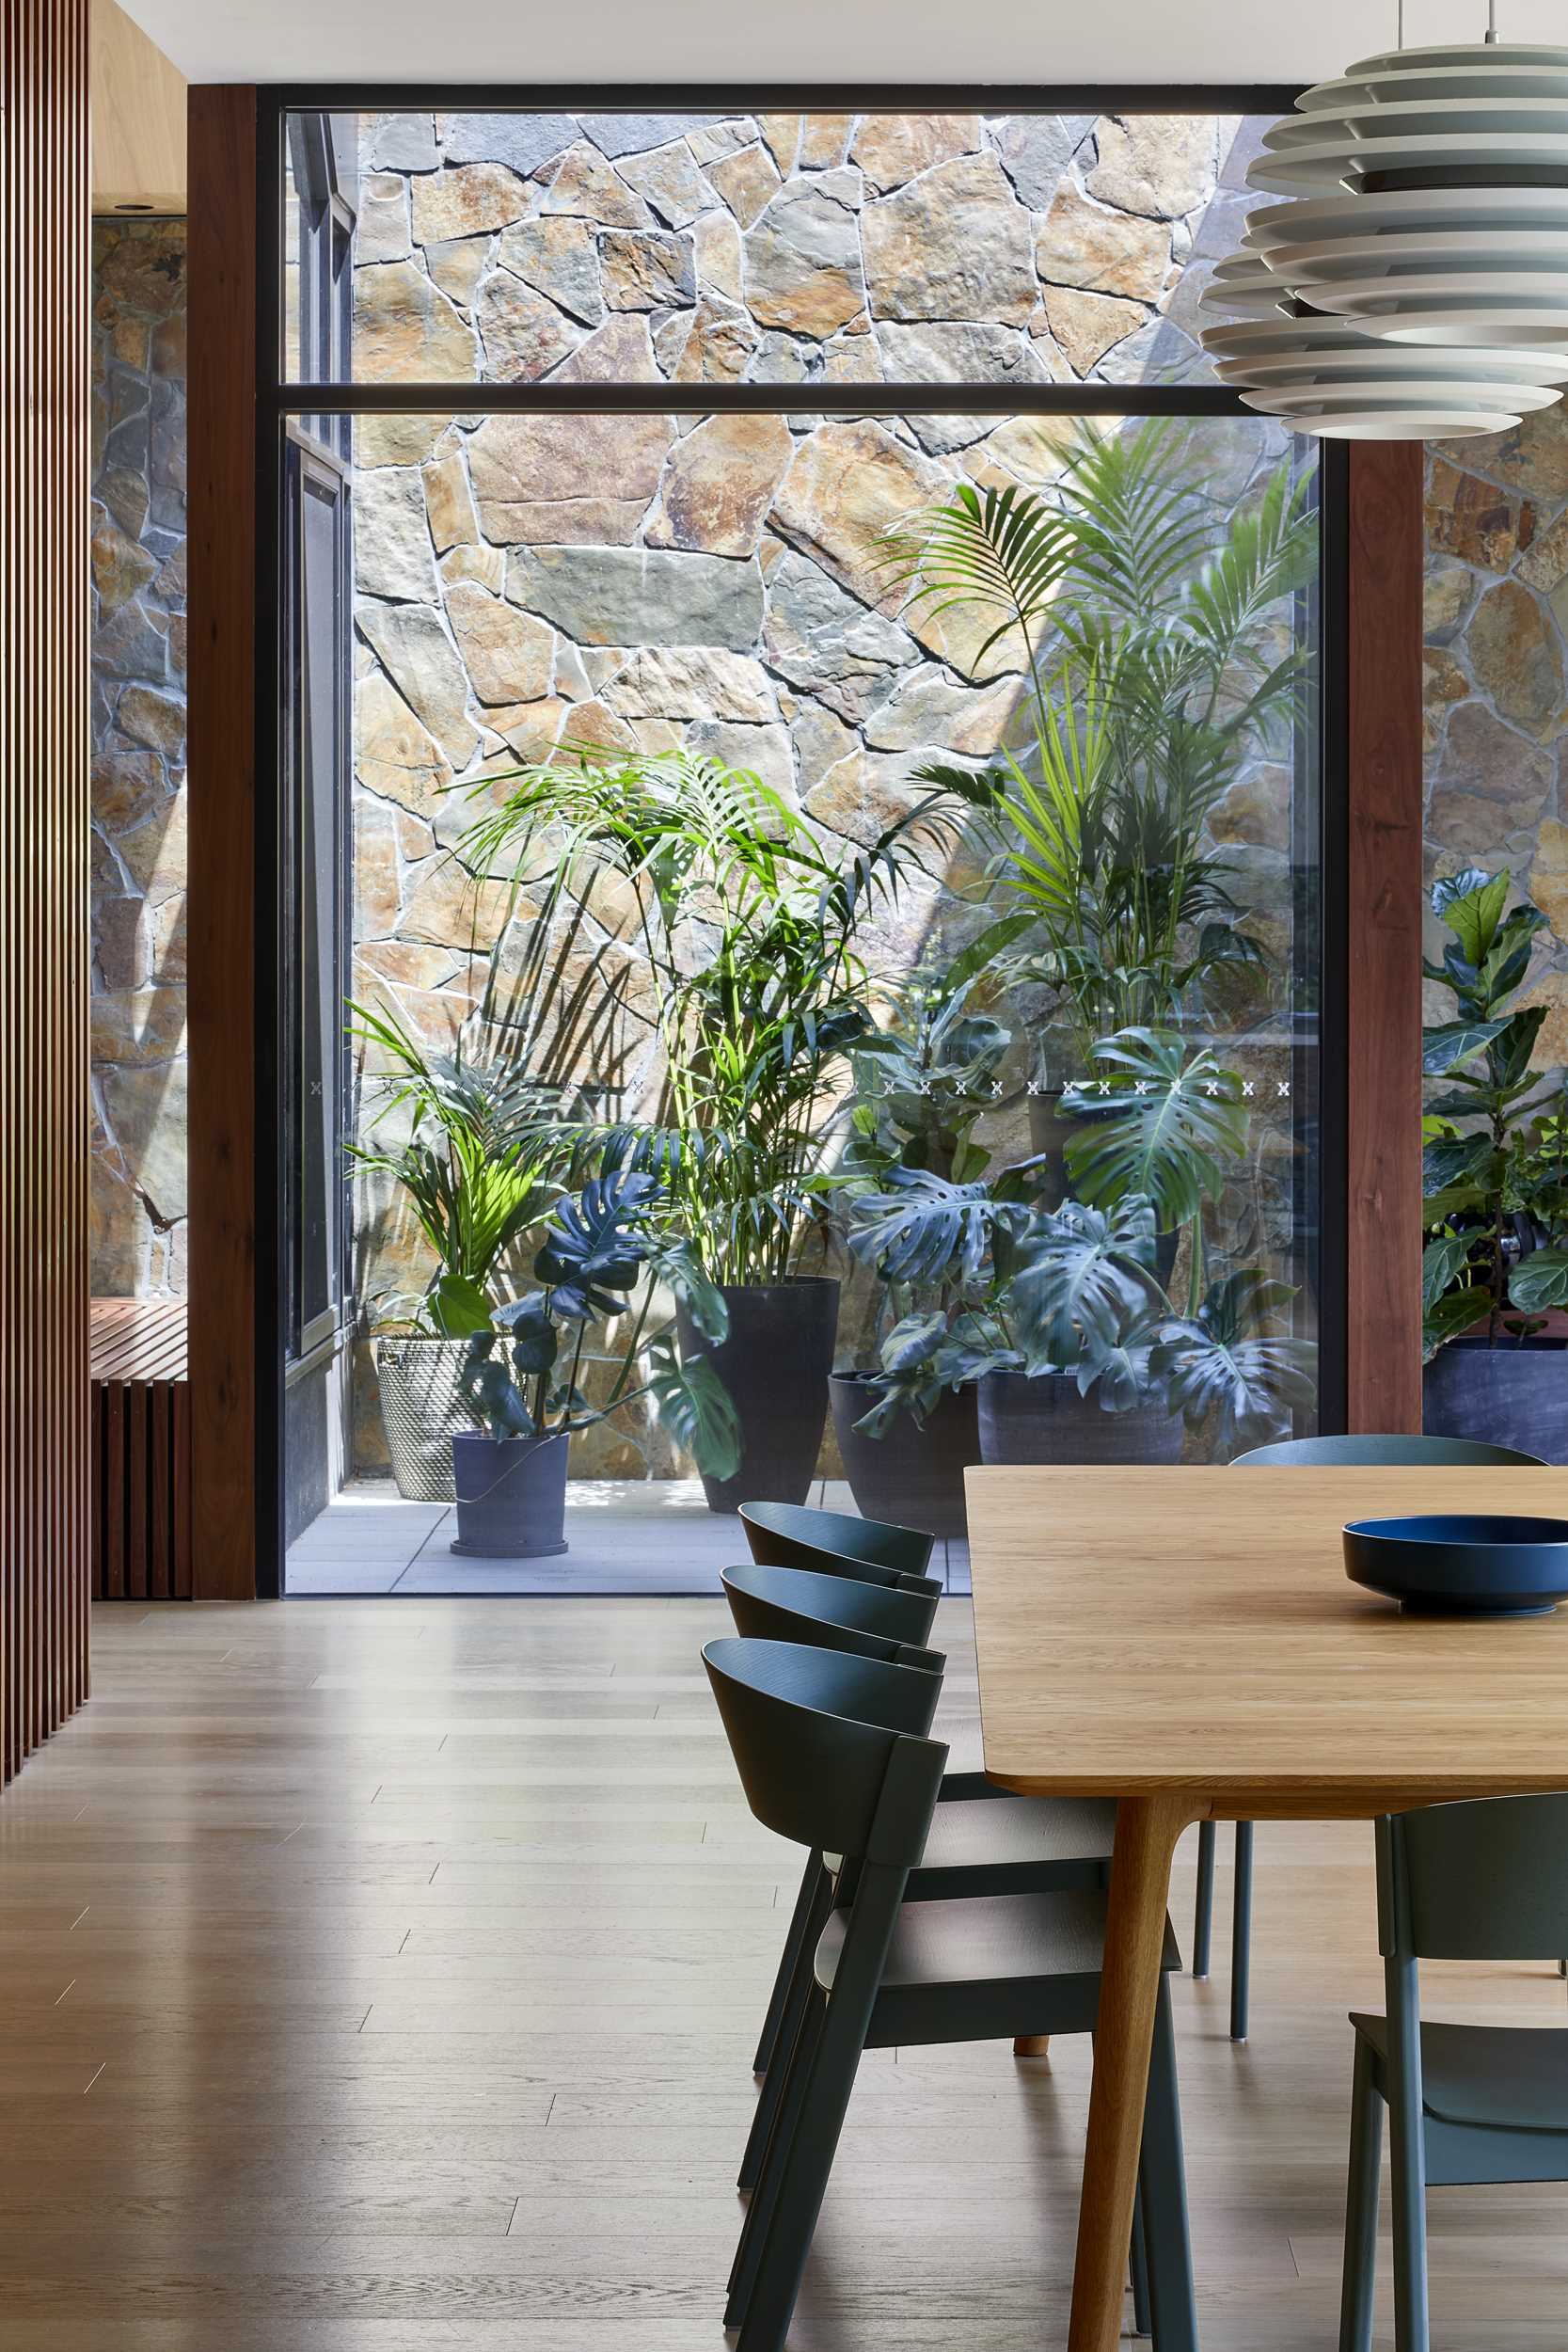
[[1083, 1282], [927, 1229], [492, 1396], [1226, 1367], [594, 1247], [693, 1405], [1178, 1119]]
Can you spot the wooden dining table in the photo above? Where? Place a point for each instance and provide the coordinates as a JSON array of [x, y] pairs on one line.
[[1185, 1639]]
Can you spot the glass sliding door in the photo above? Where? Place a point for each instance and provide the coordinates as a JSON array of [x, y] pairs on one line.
[[731, 444]]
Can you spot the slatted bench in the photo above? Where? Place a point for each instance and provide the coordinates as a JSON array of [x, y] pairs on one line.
[[141, 1450]]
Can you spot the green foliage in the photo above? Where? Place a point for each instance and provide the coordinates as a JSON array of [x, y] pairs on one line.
[[1074, 1290], [751, 930], [1174, 1129], [1148, 634], [486, 1152], [1495, 1164], [1229, 1368], [603, 1258]]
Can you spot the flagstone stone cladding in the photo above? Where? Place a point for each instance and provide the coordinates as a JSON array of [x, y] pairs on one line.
[[719, 583], [138, 766], [778, 248], [1496, 681]]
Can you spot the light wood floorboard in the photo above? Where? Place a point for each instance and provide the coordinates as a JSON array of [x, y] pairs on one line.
[[382, 1977]]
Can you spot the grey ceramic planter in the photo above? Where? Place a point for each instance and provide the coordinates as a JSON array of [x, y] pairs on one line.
[[914, 1475], [1045, 1420], [510, 1496], [1515, 1395], [774, 1365]]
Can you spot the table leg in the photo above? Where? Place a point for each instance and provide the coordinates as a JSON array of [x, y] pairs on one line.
[[1147, 1831]]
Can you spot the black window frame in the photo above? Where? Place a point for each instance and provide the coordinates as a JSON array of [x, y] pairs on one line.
[[280, 401]]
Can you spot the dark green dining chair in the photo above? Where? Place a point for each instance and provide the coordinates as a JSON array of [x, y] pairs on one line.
[[1485, 1881], [797, 1535], [833, 1612], [1391, 1451], [833, 1753], [1387, 1453], [985, 1840]]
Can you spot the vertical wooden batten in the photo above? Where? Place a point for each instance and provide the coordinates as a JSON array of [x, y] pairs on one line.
[[1383, 936], [221, 394], [44, 360]]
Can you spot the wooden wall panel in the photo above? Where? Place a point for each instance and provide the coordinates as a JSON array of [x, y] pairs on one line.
[[1384, 933], [221, 1129], [44, 297]]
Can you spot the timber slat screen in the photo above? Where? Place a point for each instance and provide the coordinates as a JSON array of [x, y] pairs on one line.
[[141, 1450], [44, 194]]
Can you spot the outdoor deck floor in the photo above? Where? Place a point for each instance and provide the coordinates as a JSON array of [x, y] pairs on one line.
[[651, 1537]]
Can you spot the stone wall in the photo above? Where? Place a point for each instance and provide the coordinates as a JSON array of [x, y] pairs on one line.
[[1496, 680], [776, 248], [719, 583], [139, 772]]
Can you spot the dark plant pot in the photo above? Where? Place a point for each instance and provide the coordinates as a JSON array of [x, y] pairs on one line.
[[1516, 1395], [510, 1496], [915, 1474], [1025, 1420], [774, 1366]]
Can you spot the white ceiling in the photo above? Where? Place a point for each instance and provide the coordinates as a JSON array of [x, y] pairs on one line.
[[803, 40]]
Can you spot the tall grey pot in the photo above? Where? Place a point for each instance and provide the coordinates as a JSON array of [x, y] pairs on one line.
[[774, 1365]]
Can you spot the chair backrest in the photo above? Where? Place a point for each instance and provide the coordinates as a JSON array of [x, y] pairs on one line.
[[795, 1535], [832, 1750], [1486, 1880], [1389, 1452], [831, 1612]]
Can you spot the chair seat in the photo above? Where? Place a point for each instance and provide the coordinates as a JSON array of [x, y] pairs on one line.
[[1495, 2078], [1000, 1832], [995, 1939]]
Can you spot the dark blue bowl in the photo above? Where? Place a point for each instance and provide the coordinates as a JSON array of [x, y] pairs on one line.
[[1462, 1563]]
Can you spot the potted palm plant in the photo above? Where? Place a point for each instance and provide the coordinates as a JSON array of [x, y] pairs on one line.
[[603, 1260], [750, 930], [1146, 633], [1495, 1268], [478, 1150]]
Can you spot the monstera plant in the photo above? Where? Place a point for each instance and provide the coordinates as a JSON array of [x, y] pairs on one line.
[[925, 1076], [1068, 1302], [1495, 1262], [605, 1261]]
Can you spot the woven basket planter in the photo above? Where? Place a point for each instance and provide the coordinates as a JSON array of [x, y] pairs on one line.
[[422, 1412]]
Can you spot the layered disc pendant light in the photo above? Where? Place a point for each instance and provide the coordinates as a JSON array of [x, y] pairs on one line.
[[1326, 376], [1428, 219]]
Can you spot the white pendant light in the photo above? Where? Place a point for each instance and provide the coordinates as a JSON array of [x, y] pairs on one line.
[[1430, 191], [1326, 376]]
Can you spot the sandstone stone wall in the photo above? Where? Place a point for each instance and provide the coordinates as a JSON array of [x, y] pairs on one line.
[[774, 248], [138, 769], [718, 583], [1496, 680]]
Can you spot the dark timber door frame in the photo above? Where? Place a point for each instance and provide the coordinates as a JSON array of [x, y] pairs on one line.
[[1371, 784]]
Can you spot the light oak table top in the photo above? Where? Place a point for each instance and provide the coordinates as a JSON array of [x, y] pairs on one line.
[[1194, 1627], [1186, 1640]]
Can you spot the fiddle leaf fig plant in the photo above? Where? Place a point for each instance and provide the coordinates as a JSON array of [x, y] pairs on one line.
[[1497, 1207]]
